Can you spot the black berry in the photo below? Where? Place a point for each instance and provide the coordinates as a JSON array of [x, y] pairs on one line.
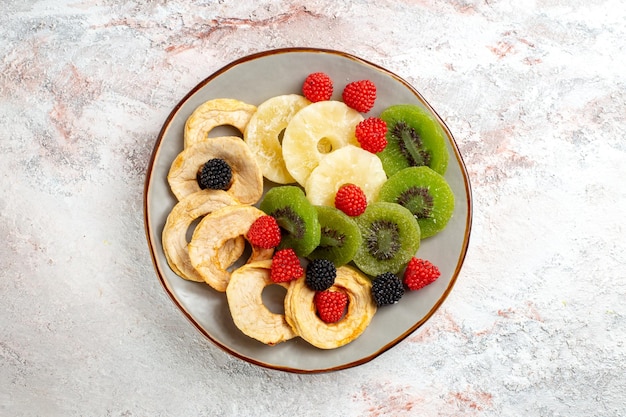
[[320, 274], [387, 289], [215, 174]]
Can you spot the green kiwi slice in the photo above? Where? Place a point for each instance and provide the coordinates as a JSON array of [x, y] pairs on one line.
[[414, 139], [425, 193], [390, 237], [340, 236], [296, 217]]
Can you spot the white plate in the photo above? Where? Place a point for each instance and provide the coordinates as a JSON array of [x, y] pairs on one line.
[[254, 79]]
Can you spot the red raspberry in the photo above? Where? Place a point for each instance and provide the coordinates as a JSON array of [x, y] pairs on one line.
[[264, 233], [285, 266], [351, 200], [419, 273], [330, 305], [371, 134], [317, 87], [360, 95]]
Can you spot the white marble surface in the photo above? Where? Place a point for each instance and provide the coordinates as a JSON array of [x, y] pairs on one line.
[[535, 94]]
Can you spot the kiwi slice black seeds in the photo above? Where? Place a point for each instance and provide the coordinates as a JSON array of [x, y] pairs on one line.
[[290, 222], [410, 144], [340, 236], [331, 238], [418, 200], [391, 236], [425, 193], [414, 138], [296, 217], [383, 240]]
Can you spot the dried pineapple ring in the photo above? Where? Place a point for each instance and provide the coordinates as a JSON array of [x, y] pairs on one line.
[[184, 213], [246, 306], [300, 310], [263, 131], [247, 183], [316, 131], [210, 235], [213, 113], [350, 164]]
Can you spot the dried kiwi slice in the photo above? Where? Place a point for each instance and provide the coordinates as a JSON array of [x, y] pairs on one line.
[[296, 217], [424, 193], [391, 236], [340, 236], [414, 139]]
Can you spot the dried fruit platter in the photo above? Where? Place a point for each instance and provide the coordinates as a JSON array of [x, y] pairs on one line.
[[256, 79]]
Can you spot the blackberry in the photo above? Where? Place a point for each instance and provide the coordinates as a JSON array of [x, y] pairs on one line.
[[320, 274], [215, 174], [387, 289]]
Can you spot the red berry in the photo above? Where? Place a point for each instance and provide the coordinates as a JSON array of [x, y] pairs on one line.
[[285, 266], [351, 200], [317, 87], [330, 305], [264, 233], [371, 134], [419, 273], [360, 95]]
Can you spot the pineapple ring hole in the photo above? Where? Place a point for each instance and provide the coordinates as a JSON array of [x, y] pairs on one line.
[[325, 145], [281, 135], [273, 297]]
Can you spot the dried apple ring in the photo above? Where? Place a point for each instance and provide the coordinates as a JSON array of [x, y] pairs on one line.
[[247, 178], [209, 237], [251, 316], [184, 213], [213, 113], [301, 316]]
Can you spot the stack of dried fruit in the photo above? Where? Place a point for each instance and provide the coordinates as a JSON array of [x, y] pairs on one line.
[[349, 201]]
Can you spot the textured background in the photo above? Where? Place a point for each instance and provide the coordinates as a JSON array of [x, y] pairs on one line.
[[535, 94]]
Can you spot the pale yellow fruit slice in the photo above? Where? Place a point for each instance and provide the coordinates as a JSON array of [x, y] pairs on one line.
[[213, 113], [250, 315], [314, 132], [300, 310], [263, 133], [247, 182], [349, 164]]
